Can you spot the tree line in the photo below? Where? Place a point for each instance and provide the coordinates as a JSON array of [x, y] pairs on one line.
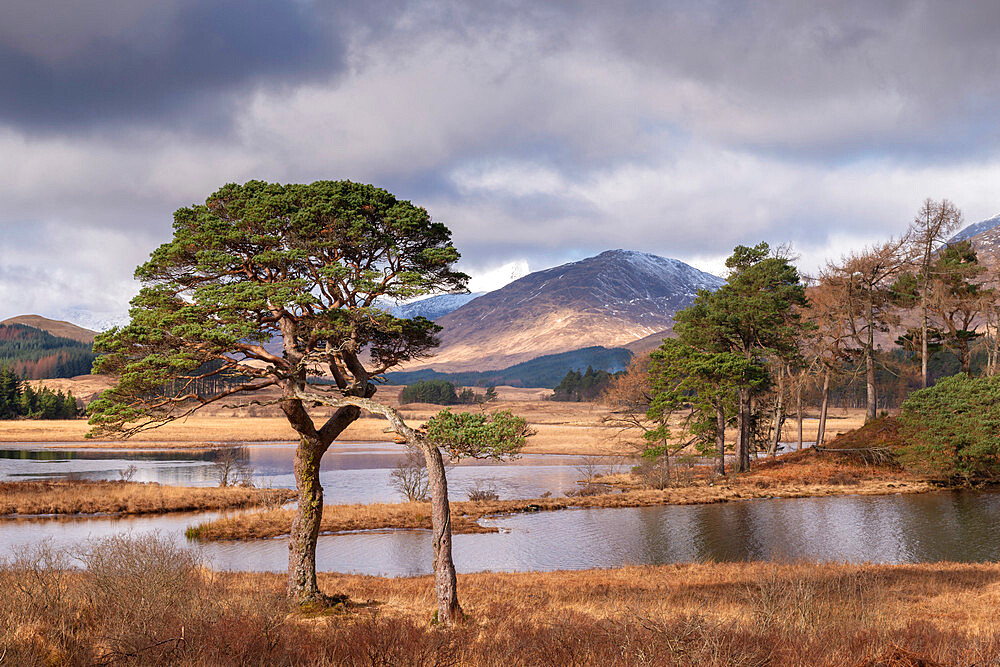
[[587, 386], [18, 399], [442, 392], [869, 329]]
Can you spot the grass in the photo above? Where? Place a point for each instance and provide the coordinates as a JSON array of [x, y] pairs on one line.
[[83, 497], [141, 601], [561, 428], [795, 475]]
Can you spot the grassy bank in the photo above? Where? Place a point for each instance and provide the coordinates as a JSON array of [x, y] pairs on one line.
[[82, 497], [140, 602], [796, 475]]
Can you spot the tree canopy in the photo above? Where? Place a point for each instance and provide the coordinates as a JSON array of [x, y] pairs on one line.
[[259, 262]]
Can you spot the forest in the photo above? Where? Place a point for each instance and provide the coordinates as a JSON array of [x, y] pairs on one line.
[[20, 399], [36, 355]]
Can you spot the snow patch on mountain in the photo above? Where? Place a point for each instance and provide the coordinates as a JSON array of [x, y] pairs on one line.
[[975, 229]]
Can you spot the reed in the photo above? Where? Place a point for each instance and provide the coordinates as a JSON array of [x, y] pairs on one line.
[[84, 497]]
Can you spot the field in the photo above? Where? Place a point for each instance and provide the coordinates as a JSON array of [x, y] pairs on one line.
[[81, 497], [141, 602], [561, 428]]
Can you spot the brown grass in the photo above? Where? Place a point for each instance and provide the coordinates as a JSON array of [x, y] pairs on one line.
[[82, 497], [561, 428], [796, 475], [139, 602]]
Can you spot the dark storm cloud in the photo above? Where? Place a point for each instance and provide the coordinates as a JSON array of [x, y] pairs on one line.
[[70, 64]]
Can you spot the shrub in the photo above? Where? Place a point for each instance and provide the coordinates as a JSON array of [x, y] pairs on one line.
[[409, 477], [483, 492], [951, 430]]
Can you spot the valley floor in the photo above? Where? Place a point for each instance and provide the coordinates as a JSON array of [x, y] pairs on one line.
[[560, 427]]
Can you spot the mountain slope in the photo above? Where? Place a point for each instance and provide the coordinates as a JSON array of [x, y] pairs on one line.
[[545, 371], [54, 327], [985, 238], [432, 307], [37, 354], [610, 300]]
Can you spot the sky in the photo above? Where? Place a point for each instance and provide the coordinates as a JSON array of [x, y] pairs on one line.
[[539, 131]]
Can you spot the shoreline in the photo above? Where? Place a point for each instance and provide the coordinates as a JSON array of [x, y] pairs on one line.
[[467, 514]]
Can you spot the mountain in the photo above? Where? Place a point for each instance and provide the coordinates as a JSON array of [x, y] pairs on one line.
[[55, 327], [37, 354], [985, 238], [545, 371], [976, 229], [610, 300], [432, 307]]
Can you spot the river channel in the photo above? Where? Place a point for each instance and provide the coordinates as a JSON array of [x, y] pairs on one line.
[[958, 526]]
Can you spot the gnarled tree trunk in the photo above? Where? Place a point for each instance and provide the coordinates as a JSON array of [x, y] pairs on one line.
[[445, 580], [302, 586]]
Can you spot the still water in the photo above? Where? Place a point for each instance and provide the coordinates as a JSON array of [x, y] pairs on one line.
[[352, 472], [958, 526]]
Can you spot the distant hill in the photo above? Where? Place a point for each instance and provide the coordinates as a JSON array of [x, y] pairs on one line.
[[37, 354], [610, 300], [545, 371], [54, 327]]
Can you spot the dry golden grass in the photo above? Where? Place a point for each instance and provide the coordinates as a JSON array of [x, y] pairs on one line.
[[561, 428], [795, 475], [81, 497], [141, 603]]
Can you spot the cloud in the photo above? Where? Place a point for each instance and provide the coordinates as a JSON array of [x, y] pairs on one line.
[[538, 131]]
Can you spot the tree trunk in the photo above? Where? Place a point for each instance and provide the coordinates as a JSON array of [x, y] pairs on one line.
[[779, 415], [798, 408], [821, 429], [302, 586], [923, 334], [871, 411], [445, 580], [743, 444], [964, 356], [720, 438]]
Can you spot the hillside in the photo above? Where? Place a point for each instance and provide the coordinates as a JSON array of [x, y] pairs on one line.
[[55, 327], [545, 371], [610, 300], [985, 238], [432, 307], [37, 354]]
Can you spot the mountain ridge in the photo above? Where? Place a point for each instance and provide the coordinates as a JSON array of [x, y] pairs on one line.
[[59, 328], [609, 300]]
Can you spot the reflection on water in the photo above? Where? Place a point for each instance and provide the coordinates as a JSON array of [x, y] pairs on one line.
[[959, 526], [352, 472]]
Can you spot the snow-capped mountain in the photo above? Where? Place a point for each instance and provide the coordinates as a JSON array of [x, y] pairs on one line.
[[612, 299], [432, 307], [985, 238], [976, 229]]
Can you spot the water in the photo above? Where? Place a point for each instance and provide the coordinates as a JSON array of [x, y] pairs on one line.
[[957, 526], [352, 472]]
